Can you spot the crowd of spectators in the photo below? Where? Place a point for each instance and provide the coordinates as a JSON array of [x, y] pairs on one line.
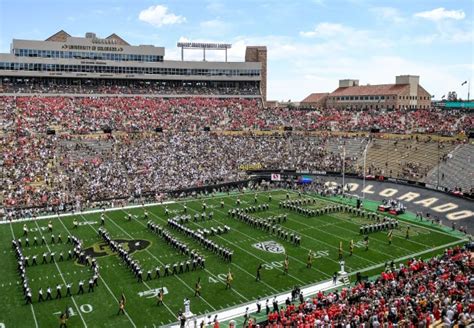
[[78, 165], [40, 86], [90, 114], [419, 294], [55, 170]]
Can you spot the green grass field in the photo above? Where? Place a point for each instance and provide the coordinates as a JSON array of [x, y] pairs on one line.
[[99, 309]]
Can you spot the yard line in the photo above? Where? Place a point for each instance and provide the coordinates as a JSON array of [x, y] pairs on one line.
[[352, 223], [317, 240], [100, 276], [172, 313], [62, 277], [116, 209], [375, 237], [375, 266], [404, 220], [328, 233], [209, 272], [323, 242], [166, 306], [398, 237], [157, 259], [32, 309], [408, 222], [34, 315], [217, 210], [242, 269], [230, 242]]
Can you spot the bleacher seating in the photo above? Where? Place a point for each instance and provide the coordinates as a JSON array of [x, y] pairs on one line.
[[455, 170], [404, 158]]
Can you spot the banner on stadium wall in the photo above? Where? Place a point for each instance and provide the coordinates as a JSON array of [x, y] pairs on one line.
[[304, 179], [250, 167], [276, 177], [319, 172]]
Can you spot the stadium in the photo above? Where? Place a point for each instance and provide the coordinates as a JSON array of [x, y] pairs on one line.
[[145, 192]]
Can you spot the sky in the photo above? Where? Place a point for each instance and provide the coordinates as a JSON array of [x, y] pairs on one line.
[[311, 44]]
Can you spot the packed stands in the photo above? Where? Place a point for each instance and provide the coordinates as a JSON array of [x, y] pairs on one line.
[[81, 164], [431, 293], [125, 87], [54, 170], [91, 114]]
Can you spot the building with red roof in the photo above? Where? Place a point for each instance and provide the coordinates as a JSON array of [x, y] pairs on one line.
[[405, 93], [315, 100]]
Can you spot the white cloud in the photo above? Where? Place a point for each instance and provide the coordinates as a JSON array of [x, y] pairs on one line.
[[441, 14], [159, 15], [389, 14], [443, 32], [213, 24], [299, 65], [447, 35], [214, 28], [215, 6], [325, 30], [343, 36]]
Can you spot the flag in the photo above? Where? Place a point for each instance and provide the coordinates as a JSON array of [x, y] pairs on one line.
[[66, 312], [123, 299], [463, 83], [340, 245], [390, 234], [443, 96]]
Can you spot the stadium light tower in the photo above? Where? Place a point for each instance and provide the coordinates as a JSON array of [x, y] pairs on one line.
[[203, 46], [364, 173], [437, 183], [343, 167], [468, 82]]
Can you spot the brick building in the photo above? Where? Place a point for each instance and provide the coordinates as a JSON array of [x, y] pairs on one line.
[[315, 100], [259, 54], [405, 93]]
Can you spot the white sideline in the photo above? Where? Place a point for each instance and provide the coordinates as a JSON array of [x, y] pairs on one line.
[[109, 209], [31, 304], [101, 278], [239, 311], [119, 208], [64, 280]]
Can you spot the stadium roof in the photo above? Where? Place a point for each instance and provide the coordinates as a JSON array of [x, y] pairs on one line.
[[368, 90], [315, 97], [118, 39], [62, 36]]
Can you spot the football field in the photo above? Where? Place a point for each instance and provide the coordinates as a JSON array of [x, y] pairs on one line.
[[251, 247]]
